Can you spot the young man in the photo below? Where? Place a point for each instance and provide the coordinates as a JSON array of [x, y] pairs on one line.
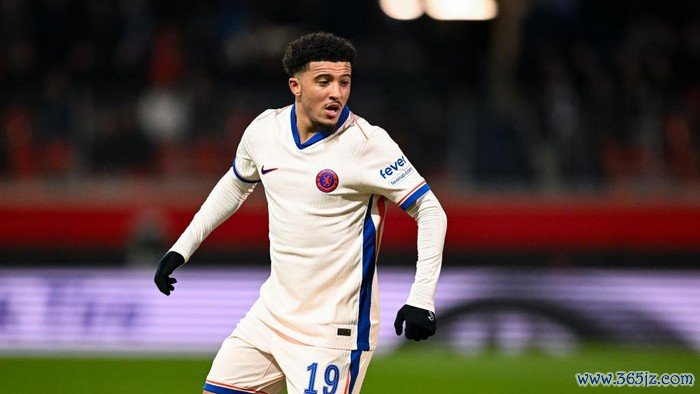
[[327, 173]]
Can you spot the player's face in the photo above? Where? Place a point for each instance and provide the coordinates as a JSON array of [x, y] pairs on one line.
[[321, 93]]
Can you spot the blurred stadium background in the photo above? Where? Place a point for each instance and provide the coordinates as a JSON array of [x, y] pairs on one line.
[[562, 136]]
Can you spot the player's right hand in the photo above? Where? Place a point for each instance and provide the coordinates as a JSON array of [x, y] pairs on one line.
[[166, 266], [420, 323]]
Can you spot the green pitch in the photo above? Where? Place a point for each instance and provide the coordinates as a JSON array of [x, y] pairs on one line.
[[407, 371]]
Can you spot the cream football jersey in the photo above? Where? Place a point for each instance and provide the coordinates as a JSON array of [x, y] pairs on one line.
[[326, 201]]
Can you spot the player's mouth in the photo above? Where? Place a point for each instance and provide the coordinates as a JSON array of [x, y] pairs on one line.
[[332, 110]]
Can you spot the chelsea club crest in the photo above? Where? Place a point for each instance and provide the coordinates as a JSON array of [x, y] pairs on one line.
[[326, 180]]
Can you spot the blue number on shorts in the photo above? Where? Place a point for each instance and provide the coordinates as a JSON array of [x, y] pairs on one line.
[[312, 378], [332, 375]]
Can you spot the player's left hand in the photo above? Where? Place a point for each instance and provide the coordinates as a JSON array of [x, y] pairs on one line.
[[420, 323]]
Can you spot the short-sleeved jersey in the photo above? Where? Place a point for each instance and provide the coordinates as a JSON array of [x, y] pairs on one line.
[[326, 202]]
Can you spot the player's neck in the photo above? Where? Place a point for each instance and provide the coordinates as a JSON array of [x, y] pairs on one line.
[[305, 134], [304, 125]]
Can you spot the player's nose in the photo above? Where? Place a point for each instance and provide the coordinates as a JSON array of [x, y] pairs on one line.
[[336, 91]]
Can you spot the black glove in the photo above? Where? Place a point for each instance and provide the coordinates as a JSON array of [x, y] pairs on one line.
[[166, 266], [420, 323]]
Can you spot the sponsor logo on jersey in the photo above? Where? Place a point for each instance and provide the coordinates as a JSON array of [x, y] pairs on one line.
[[393, 168], [326, 180], [264, 171], [397, 171]]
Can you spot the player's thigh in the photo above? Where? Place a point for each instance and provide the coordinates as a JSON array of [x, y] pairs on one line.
[[322, 370], [241, 368]]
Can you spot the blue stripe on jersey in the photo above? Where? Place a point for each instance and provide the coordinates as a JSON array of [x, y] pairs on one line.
[[415, 196], [369, 251], [235, 171], [354, 368], [319, 135], [222, 390]]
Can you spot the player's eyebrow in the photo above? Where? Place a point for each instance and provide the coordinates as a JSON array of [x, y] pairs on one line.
[[331, 76]]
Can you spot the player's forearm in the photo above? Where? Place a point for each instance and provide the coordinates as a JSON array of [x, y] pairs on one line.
[[432, 227], [226, 197]]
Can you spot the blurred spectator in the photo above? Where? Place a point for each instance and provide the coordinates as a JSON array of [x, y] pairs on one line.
[[53, 125], [681, 154], [163, 113], [121, 147], [18, 137]]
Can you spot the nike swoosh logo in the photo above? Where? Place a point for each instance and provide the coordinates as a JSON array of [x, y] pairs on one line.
[[264, 171], [431, 316]]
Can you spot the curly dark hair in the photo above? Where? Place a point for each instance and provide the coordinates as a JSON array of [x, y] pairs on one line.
[[316, 47]]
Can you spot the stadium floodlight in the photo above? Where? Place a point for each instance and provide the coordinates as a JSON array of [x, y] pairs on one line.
[[475, 10], [402, 9]]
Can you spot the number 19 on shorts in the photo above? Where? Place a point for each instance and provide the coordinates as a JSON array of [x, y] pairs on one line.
[[330, 376]]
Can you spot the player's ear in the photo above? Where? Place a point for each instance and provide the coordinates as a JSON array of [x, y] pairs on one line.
[[294, 86]]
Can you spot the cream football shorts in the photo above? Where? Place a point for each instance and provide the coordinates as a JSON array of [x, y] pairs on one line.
[[267, 361]]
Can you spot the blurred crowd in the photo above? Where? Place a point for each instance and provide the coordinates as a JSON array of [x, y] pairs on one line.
[[614, 89], [604, 93]]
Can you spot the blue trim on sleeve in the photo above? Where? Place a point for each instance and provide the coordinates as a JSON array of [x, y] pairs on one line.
[[222, 390], [319, 135], [415, 196], [235, 171], [354, 368], [369, 252]]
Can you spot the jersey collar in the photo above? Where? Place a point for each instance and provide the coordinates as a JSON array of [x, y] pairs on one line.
[[319, 135]]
